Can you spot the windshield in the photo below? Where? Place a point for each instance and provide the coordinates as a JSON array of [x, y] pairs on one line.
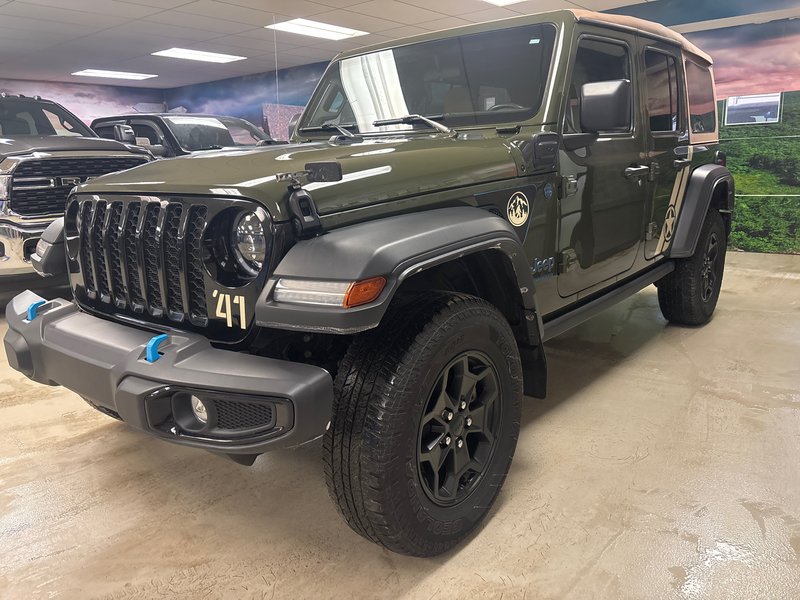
[[204, 133], [483, 78], [20, 117]]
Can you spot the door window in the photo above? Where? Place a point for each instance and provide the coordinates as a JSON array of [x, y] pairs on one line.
[[702, 105], [661, 71], [596, 60]]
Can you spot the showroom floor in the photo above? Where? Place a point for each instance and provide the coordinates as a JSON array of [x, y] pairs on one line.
[[662, 465]]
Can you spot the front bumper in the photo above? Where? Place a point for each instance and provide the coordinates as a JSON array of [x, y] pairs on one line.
[[106, 363], [17, 243]]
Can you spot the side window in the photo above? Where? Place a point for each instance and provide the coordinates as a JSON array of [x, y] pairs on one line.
[[596, 60], [106, 131], [661, 71], [702, 107]]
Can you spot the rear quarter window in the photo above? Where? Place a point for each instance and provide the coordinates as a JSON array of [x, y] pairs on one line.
[[702, 104]]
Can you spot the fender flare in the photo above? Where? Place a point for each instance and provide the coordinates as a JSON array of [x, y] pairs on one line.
[[396, 248], [703, 183]]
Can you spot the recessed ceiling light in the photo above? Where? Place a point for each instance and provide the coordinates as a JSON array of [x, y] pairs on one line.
[[503, 2], [187, 54], [316, 29], [113, 74]]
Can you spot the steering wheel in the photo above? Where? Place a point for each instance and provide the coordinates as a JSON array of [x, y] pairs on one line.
[[509, 105]]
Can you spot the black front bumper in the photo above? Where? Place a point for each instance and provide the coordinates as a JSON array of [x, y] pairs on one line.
[[106, 363]]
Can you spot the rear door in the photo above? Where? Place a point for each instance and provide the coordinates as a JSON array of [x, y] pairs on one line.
[[666, 130], [601, 218]]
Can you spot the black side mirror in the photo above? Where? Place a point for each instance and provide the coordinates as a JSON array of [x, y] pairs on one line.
[[293, 124], [124, 134], [606, 106], [321, 172]]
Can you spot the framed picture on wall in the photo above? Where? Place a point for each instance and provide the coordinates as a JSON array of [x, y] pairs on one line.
[[752, 110]]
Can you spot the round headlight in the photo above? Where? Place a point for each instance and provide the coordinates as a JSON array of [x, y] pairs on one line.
[[249, 243]]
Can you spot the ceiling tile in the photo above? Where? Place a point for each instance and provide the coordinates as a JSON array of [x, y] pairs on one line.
[[62, 16], [397, 11], [491, 14], [162, 4], [339, 3], [106, 7], [228, 12], [203, 23], [354, 20], [293, 8], [445, 23], [450, 7], [170, 35]]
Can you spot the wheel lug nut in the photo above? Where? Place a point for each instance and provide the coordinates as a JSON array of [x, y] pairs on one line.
[[469, 422], [460, 443], [448, 415], [463, 405], [447, 440]]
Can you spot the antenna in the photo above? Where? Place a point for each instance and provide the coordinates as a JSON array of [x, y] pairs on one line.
[[275, 42]]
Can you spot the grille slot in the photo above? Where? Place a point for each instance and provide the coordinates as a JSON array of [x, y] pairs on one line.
[[150, 258], [143, 256], [37, 188], [242, 415]]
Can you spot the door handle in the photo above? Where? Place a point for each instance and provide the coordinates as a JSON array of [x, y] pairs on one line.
[[681, 162], [637, 171]]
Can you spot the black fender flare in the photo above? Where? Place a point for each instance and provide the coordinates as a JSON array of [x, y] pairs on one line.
[[703, 183], [396, 248]]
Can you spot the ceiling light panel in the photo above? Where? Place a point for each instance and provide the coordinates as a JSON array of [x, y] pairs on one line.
[[187, 54], [316, 29], [113, 74], [503, 2]]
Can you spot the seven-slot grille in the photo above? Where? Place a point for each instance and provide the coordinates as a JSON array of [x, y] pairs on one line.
[[143, 256], [40, 187]]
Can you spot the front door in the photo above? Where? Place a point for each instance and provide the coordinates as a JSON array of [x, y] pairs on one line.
[[604, 189]]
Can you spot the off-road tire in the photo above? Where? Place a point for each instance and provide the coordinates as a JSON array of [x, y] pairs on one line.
[[687, 296], [383, 389]]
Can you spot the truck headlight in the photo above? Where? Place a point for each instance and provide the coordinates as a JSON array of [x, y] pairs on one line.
[[5, 186], [249, 243]]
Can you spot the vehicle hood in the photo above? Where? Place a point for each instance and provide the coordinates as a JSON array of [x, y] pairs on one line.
[[60, 143], [375, 170]]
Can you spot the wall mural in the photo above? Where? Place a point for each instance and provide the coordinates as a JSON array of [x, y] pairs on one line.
[[253, 97], [763, 157], [90, 101]]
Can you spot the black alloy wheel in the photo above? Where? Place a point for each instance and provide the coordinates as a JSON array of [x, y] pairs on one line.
[[457, 434]]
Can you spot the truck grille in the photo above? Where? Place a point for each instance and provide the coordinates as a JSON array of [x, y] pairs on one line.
[[142, 256], [40, 187]]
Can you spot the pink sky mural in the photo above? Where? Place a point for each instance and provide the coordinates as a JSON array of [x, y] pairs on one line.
[[754, 59]]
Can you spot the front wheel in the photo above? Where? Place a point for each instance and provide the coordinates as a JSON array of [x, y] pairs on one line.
[[688, 295], [425, 423]]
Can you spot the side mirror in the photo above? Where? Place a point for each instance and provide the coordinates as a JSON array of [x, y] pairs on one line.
[[321, 172], [293, 124], [606, 106], [124, 134]]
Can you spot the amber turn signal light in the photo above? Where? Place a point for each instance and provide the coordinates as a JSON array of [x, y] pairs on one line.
[[364, 292]]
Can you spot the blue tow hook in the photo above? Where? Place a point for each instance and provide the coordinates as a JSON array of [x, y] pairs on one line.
[[33, 308], [151, 350]]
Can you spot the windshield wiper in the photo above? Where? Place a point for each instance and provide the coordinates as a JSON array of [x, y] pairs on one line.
[[411, 119], [211, 147], [330, 126]]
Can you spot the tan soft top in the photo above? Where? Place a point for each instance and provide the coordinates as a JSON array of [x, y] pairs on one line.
[[642, 25]]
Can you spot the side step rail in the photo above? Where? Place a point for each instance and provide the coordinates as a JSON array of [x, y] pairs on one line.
[[567, 321]]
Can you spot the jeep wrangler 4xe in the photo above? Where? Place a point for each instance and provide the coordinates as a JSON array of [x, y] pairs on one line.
[[45, 151], [388, 280]]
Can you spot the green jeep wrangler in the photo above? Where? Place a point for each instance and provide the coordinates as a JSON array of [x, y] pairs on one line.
[[449, 203]]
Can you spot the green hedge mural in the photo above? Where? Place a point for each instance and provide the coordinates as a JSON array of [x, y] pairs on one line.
[[765, 162]]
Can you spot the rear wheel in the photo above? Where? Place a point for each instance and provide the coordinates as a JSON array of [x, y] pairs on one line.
[[688, 295], [425, 423]]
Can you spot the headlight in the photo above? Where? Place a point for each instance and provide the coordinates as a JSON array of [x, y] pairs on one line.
[[249, 243]]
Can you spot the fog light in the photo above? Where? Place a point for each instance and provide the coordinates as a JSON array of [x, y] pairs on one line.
[[199, 409]]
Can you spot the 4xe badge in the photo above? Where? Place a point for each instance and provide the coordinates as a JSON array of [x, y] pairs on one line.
[[518, 209]]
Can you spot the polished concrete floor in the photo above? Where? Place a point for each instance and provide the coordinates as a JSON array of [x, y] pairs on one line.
[[664, 464]]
